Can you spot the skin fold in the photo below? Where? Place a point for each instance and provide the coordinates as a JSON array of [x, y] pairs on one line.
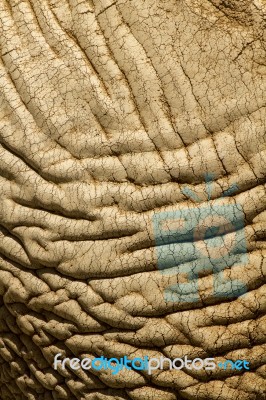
[[132, 213]]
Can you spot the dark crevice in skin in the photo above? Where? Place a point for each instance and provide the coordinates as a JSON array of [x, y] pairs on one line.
[[19, 263], [27, 162], [118, 234], [105, 9], [9, 235], [56, 210], [227, 7]]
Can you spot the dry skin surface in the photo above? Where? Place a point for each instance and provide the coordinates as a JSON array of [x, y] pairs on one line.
[[110, 113]]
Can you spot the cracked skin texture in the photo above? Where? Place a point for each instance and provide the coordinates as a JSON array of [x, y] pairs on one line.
[[109, 109]]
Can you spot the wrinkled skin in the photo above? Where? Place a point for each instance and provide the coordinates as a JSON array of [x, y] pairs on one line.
[[112, 113]]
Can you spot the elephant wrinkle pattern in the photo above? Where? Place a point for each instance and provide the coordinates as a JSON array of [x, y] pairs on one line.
[[133, 201]]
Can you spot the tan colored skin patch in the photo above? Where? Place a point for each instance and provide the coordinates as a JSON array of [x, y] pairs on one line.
[[112, 113]]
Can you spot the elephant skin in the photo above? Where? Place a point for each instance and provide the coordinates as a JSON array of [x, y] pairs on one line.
[[128, 130]]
